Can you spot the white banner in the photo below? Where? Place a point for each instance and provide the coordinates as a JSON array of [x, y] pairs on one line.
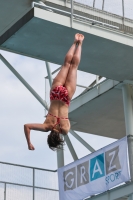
[[95, 173]]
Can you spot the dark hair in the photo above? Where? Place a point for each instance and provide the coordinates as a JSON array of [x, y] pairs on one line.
[[54, 140]]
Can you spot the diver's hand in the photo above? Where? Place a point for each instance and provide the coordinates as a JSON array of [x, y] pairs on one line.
[[31, 147]]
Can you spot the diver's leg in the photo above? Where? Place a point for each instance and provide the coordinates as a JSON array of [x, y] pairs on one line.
[[71, 79], [60, 79]]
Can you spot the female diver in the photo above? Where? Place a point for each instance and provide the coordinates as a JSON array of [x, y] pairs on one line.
[[62, 90]]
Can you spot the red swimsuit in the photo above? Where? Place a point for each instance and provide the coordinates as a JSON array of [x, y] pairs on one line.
[[60, 93], [58, 121]]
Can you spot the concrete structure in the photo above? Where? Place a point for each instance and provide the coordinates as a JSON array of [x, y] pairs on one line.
[[33, 34], [30, 29]]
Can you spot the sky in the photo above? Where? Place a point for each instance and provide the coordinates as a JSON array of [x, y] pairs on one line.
[[18, 107]]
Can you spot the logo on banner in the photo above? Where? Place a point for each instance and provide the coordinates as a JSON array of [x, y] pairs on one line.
[[112, 165], [70, 179], [112, 160], [82, 174], [79, 173], [105, 164], [97, 167]]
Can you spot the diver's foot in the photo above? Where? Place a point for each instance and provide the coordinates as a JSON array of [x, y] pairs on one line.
[[81, 38], [76, 39]]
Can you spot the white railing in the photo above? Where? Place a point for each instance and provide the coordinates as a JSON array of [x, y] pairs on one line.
[[90, 14], [19, 182]]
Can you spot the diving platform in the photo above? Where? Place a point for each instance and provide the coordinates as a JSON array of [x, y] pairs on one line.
[[46, 33], [99, 111]]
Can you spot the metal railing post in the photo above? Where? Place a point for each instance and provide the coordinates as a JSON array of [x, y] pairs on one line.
[[97, 79], [94, 3], [5, 191], [71, 13], [123, 12], [103, 5], [128, 112], [33, 184]]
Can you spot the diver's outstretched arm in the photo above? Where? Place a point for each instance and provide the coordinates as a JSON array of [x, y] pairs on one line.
[[37, 127]]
